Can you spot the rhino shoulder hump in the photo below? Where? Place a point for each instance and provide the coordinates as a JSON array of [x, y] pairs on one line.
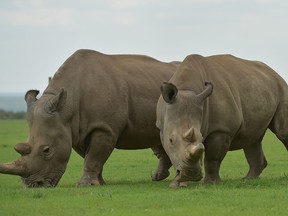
[[84, 52], [194, 57]]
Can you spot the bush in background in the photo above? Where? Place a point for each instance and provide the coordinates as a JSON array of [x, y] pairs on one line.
[[11, 115]]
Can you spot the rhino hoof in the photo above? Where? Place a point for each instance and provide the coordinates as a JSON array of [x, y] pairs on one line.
[[87, 184], [176, 184], [88, 181], [158, 176]]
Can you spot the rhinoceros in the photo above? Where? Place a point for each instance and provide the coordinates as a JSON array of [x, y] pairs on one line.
[[93, 104], [212, 105]]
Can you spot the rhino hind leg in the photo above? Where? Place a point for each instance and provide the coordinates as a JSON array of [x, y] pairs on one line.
[[279, 123], [100, 147], [164, 164], [256, 160]]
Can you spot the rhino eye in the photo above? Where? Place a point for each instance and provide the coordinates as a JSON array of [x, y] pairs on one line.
[[46, 150], [170, 140]]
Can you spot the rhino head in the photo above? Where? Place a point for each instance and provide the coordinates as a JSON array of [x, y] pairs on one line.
[[45, 154], [179, 118]]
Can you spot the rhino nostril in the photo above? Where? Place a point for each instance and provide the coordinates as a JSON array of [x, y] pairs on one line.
[[39, 183], [36, 184]]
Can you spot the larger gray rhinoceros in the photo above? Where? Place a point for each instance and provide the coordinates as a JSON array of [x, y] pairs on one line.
[[217, 104], [93, 104]]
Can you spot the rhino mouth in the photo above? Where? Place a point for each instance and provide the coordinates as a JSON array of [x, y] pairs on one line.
[[184, 176], [46, 183], [189, 173], [34, 181]]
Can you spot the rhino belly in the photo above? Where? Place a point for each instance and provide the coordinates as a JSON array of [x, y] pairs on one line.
[[137, 140]]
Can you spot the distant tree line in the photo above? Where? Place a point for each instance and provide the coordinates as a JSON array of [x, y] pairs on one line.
[[12, 115]]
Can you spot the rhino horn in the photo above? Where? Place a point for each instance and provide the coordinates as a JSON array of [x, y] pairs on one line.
[[189, 135], [12, 168], [206, 92], [196, 152], [169, 92], [23, 148]]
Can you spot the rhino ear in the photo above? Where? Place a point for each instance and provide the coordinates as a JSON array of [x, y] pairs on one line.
[[206, 92], [56, 102], [30, 96], [169, 92]]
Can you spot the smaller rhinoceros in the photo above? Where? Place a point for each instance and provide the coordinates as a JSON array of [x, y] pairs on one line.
[[216, 104], [93, 104]]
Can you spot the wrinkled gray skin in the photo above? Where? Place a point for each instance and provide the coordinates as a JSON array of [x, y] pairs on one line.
[[217, 104], [93, 104]]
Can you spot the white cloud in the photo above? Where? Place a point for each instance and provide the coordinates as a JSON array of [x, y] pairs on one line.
[[40, 17], [127, 20], [34, 13], [128, 3], [266, 1], [165, 29]]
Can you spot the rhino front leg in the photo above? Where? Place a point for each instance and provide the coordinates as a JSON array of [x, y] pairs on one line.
[[216, 147], [164, 164], [256, 160], [100, 147]]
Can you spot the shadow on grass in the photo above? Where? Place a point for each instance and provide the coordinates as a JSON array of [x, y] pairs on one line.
[[228, 183], [259, 183], [132, 183]]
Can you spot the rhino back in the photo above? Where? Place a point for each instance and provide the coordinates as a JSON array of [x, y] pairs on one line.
[[117, 93]]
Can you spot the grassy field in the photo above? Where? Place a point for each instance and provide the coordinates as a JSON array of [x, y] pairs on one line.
[[129, 190]]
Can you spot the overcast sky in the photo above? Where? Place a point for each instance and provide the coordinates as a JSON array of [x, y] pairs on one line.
[[37, 36]]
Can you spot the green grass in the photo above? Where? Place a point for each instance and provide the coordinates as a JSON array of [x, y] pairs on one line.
[[129, 190]]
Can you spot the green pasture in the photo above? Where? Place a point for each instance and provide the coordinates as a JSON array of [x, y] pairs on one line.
[[129, 190]]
